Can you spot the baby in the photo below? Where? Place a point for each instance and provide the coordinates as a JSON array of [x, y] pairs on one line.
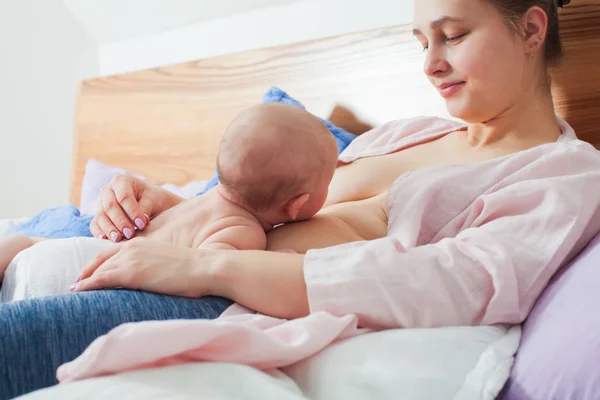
[[275, 164]]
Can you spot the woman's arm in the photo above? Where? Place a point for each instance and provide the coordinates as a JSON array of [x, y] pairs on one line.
[[268, 282], [491, 272], [271, 283], [510, 244]]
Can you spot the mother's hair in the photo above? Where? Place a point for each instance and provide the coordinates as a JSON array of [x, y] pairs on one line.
[[512, 10]]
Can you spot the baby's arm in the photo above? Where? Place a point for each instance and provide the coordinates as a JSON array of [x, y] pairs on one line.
[[12, 245], [237, 237]]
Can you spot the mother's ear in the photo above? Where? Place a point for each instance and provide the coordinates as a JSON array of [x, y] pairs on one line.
[[533, 26]]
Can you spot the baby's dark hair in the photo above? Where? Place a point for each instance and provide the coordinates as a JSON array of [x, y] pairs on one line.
[[512, 10]]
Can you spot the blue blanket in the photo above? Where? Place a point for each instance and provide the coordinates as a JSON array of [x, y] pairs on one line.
[[67, 221], [58, 223]]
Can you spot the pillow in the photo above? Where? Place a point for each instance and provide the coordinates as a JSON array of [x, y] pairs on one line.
[[560, 347], [98, 174], [466, 363]]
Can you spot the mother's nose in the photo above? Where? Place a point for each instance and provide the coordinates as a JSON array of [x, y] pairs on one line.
[[436, 62]]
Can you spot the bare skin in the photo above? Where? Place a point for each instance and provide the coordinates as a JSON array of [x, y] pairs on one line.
[[12, 245], [502, 96], [292, 173]]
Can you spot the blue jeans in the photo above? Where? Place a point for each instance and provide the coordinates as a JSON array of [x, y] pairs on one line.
[[37, 336]]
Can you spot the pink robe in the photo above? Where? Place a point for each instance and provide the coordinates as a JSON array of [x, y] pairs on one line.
[[466, 245]]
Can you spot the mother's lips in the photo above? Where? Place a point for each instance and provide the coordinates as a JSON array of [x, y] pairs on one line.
[[449, 88]]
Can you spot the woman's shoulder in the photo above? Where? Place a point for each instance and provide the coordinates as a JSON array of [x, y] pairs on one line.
[[570, 147], [552, 167]]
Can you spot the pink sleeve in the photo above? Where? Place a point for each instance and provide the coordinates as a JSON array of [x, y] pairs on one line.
[[492, 271]]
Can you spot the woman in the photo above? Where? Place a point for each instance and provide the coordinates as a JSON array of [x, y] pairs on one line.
[[488, 59]]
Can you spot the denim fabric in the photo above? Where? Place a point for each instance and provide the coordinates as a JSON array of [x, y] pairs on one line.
[[38, 335]]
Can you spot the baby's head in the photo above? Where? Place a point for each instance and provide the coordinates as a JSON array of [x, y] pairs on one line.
[[277, 161]]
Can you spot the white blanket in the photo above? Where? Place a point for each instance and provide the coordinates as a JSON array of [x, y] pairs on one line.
[[446, 363]]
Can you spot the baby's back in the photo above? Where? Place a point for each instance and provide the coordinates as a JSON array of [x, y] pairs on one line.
[[207, 221]]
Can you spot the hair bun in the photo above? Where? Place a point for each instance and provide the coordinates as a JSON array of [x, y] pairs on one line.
[[561, 3]]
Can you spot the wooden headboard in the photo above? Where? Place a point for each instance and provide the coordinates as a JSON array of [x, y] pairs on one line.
[[165, 123]]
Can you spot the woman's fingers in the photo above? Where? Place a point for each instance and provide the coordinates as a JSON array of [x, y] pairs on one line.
[[108, 229], [129, 194], [101, 280], [118, 218], [124, 207], [96, 231], [100, 259]]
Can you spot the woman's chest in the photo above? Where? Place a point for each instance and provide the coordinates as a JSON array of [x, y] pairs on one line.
[[368, 177]]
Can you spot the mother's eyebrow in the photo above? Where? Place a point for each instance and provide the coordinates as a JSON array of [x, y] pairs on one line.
[[439, 23]]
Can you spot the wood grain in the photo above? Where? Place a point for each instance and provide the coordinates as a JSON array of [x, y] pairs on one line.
[[166, 123]]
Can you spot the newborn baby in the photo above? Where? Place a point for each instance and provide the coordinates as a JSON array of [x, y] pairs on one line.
[[275, 164]]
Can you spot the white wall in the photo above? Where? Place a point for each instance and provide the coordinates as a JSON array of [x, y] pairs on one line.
[[110, 21], [294, 22], [44, 52]]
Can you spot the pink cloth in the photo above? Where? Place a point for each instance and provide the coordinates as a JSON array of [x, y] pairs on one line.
[[466, 245]]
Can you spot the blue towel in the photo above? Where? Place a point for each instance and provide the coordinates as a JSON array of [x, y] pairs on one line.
[[58, 223], [67, 221]]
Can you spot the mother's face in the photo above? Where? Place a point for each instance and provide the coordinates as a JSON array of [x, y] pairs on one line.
[[473, 58]]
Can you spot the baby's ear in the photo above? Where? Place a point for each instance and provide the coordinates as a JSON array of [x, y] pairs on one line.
[[293, 206]]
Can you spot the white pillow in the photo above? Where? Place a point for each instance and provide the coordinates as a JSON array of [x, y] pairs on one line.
[[459, 363], [98, 174]]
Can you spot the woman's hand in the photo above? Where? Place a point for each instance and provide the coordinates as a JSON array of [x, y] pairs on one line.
[[268, 282], [152, 266], [128, 203]]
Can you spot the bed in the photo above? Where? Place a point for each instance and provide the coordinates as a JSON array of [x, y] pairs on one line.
[[165, 124]]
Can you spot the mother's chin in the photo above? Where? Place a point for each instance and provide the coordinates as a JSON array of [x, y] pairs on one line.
[[469, 109]]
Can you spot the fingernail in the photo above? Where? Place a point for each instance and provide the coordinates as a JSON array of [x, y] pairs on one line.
[[147, 217], [72, 288], [139, 223], [101, 236], [128, 233], [114, 236]]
